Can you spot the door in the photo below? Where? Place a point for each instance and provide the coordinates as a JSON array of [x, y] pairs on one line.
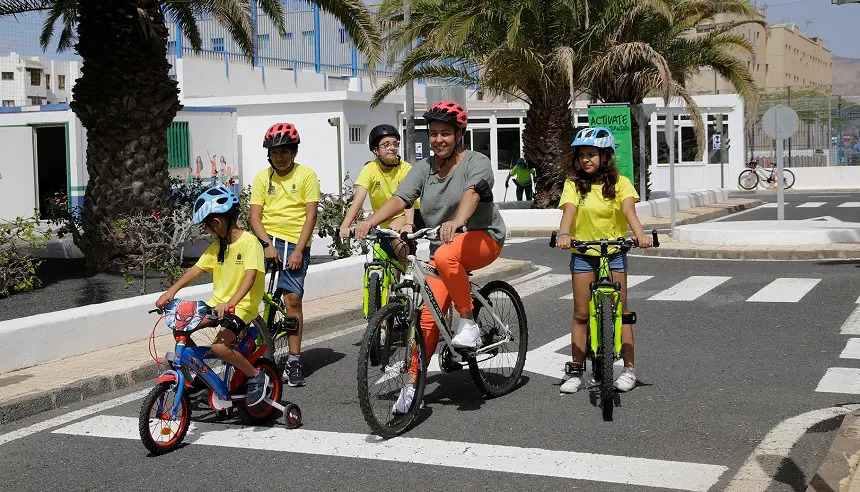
[[17, 172]]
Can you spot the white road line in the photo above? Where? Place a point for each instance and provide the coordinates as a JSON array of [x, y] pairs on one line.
[[764, 462], [71, 416], [840, 380], [689, 289], [477, 456], [811, 204], [539, 284], [849, 205], [632, 281], [518, 240], [851, 350], [857, 301], [851, 326], [768, 205], [541, 270], [785, 290]]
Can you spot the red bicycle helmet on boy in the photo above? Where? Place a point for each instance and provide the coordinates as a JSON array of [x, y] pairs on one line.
[[447, 112], [281, 134]]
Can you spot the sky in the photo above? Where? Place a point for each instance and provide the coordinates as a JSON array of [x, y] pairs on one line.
[[836, 24]]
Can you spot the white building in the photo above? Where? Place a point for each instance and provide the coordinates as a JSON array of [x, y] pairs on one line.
[[36, 80]]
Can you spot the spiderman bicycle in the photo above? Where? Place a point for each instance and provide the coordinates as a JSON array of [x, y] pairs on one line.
[[166, 411]]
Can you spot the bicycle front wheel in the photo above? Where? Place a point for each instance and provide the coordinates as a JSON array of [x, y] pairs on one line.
[[380, 381], [607, 355], [748, 180], [498, 371], [787, 178]]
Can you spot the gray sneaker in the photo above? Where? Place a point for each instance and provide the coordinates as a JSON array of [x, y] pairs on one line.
[[293, 374], [256, 388]]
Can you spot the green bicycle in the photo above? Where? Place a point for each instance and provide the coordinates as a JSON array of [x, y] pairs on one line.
[[606, 315], [277, 323]]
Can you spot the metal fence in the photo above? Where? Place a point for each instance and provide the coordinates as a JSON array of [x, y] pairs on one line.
[[828, 132]]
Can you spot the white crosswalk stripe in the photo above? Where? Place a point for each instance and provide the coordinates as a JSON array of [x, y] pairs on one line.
[[632, 281], [785, 290], [811, 204], [690, 288], [849, 205]]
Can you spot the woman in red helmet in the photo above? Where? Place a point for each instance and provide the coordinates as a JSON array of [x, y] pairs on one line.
[[456, 189], [283, 214]]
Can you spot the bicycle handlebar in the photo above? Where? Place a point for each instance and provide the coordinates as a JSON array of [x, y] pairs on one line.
[[426, 233], [624, 243], [211, 314]]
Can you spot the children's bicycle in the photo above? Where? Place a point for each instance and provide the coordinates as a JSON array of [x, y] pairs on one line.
[[166, 411], [276, 319], [606, 315], [496, 366]]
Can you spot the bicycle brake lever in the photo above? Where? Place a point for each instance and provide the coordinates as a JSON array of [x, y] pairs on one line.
[[552, 239], [654, 237]]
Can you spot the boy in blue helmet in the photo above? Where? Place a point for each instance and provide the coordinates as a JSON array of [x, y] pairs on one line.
[[235, 260]]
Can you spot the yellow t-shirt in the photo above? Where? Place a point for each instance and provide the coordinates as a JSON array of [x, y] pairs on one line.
[[596, 217], [245, 254], [284, 200], [381, 185]]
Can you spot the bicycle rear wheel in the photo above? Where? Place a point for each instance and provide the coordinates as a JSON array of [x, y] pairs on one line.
[[497, 372], [379, 383], [748, 179], [374, 303], [787, 178], [607, 355]]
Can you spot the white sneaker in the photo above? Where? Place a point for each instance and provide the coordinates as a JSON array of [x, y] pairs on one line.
[[468, 335], [571, 384], [404, 400], [626, 381]]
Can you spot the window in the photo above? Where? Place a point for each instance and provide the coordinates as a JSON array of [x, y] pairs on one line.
[[171, 47], [344, 36], [288, 36], [262, 43], [35, 76], [47, 81], [509, 147], [8, 76], [36, 101], [308, 38], [714, 155], [178, 145], [218, 45], [8, 103], [61, 82], [508, 121], [355, 132]]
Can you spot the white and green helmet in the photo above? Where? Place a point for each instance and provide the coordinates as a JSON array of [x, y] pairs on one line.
[[600, 137]]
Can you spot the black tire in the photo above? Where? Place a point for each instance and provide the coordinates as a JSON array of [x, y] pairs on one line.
[[374, 303], [279, 341], [607, 356], [744, 181], [265, 335], [396, 316], [293, 416], [184, 419], [788, 178], [263, 412], [498, 384]]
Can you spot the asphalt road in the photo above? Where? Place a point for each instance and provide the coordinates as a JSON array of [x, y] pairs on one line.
[[841, 206], [717, 373]]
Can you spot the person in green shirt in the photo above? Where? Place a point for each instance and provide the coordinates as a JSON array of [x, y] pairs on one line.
[[522, 174]]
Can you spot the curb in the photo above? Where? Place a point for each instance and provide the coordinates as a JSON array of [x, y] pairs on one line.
[[78, 391], [720, 210], [783, 253], [838, 469]]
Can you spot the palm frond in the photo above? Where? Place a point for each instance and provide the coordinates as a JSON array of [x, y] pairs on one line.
[[16, 7], [185, 15], [67, 10]]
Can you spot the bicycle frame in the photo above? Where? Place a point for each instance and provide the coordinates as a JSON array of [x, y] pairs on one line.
[[383, 264], [603, 288]]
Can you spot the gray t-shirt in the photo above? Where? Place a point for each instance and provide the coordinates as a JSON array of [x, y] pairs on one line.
[[440, 197]]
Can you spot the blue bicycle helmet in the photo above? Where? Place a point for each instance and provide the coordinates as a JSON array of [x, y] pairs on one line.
[[216, 200], [600, 137]]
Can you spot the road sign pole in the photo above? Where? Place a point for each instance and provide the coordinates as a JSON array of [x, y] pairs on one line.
[[780, 189], [670, 141]]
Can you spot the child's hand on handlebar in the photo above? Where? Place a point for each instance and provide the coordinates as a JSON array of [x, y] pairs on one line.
[[164, 299], [222, 309], [272, 254], [362, 229], [645, 241], [564, 241]]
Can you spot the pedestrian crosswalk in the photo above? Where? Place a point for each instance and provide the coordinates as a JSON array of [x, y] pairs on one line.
[[778, 290], [811, 205], [845, 379]]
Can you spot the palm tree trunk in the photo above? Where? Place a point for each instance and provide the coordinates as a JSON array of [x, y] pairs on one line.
[[126, 128], [546, 140]]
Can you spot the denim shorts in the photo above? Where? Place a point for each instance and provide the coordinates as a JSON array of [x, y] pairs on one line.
[[591, 263], [292, 280]]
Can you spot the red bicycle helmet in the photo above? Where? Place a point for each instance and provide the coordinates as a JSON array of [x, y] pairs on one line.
[[281, 134], [448, 112]]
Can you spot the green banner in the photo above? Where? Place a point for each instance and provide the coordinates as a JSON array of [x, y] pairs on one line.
[[618, 119]]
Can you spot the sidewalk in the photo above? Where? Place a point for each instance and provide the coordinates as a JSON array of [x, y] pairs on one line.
[[840, 469], [52, 385], [670, 248]]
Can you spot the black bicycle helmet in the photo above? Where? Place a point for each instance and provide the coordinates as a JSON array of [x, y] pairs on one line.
[[379, 132]]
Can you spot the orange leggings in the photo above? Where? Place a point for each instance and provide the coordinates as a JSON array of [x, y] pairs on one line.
[[469, 251]]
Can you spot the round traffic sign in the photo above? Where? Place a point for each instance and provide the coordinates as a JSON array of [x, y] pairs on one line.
[[780, 121]]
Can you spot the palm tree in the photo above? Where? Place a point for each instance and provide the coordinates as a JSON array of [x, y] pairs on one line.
[[126, 100], [618, 78], [533, 50]]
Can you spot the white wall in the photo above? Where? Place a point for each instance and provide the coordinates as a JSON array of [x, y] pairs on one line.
[[823, 178], [213, 135]]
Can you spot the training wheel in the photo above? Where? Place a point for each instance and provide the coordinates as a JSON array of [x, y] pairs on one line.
[[292, 416]]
